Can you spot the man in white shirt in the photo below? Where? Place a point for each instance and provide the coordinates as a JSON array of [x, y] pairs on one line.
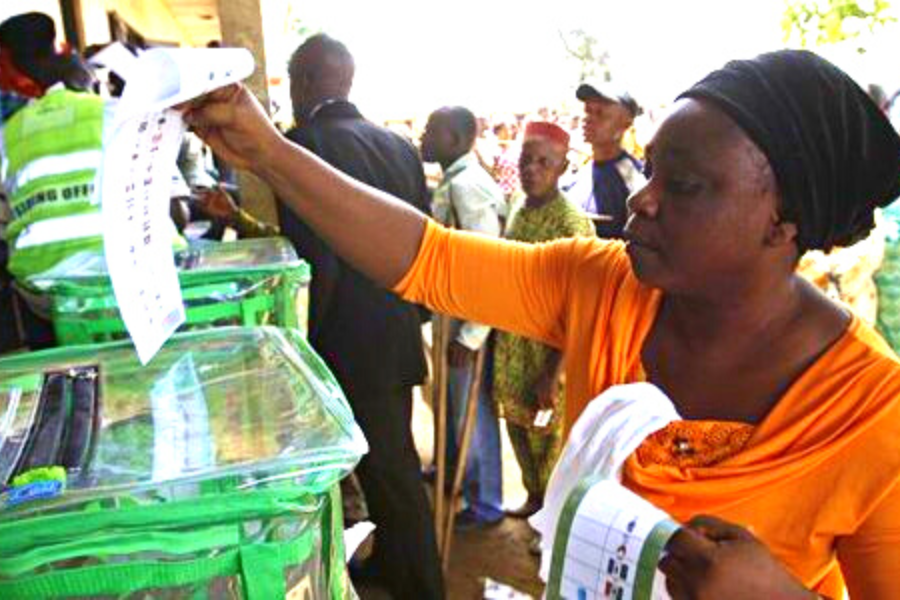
[[467, 198]]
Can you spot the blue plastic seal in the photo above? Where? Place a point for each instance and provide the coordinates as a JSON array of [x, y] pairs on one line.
[[38, 490]]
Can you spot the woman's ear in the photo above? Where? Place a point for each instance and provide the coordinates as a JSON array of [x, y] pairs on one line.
[[780, 232]]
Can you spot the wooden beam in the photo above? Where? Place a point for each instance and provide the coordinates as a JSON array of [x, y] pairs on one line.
[[73, 23], [241, 23]]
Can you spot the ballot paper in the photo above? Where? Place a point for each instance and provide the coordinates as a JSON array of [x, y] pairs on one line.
[[608, 544], [138, 162], [116, 58], [354, 537]]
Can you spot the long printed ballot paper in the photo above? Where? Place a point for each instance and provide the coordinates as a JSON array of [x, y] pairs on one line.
[[138, 163], [608, 544]]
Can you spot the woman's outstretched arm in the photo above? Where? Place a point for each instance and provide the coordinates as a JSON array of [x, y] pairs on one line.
[[517, 287], [376, 233]]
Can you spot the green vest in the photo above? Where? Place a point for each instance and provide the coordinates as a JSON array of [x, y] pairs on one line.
[[54, 149]]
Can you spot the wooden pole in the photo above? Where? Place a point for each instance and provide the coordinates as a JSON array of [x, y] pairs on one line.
[[440, 333], [465, 442], [242, 27]]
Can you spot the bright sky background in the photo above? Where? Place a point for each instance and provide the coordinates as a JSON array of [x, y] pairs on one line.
[[505, 55]]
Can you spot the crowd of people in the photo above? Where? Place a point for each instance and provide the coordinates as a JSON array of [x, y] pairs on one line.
[[569, 262]]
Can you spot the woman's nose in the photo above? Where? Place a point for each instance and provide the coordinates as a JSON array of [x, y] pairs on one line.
[[643, 201]]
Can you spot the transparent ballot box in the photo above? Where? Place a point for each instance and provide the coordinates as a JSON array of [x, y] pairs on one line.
[[212, 472], [244, 283]]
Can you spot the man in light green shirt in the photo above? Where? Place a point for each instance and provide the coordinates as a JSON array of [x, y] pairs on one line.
[[467, 198]]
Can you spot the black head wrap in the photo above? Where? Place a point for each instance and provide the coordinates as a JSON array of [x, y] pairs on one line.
[[834, 154]]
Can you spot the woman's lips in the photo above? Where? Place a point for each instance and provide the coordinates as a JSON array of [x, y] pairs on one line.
[[634, 240]]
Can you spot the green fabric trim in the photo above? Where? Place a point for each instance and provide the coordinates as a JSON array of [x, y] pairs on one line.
[[224, 282], [124, 578], [286, 295], [563, 530], [86, 326], [136, 529], [85, 313], [195, 512], [34, 260], [653, 549], [175, 542], [75, 296], [29, 382], [262, 570], [333, 545]]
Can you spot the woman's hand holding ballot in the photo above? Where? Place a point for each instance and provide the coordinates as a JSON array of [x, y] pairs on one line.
[[234, 124], [711, 559], [375, 232]]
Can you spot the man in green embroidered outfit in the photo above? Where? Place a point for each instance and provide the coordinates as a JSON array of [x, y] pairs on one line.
[[527, 373]]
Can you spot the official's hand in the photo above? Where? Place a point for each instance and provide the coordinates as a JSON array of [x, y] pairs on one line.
[[233, 123], [458, 355], [218, 204], [713, 559]]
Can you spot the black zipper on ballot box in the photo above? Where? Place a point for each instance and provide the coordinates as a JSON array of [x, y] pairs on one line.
[[68, 417]]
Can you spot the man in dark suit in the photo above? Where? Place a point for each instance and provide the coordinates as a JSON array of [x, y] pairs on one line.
[[368, 336]]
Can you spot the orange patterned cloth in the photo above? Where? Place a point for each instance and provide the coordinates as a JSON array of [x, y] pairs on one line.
[[686, 444]]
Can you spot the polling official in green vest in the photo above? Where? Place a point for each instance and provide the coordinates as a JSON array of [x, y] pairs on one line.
[[52, 153], [53, 149], [30, 64]]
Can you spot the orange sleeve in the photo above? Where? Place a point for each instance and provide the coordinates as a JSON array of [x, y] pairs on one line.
[[520, 288], [870, 558]]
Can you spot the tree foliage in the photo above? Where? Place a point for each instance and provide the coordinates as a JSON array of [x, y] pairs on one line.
[[593, 61], [832, 21]]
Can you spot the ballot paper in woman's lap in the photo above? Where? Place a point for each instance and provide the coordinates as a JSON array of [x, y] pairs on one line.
[[608, 544]]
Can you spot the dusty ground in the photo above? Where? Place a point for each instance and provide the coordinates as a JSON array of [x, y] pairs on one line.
[[499, 552]]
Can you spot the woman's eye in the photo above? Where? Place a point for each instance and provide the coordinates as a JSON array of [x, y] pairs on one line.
[[683, 186]]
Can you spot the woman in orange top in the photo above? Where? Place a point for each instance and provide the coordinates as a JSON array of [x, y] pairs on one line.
[[791, 405]]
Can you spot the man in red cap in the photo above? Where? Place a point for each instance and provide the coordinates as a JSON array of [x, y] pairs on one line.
[[602, 187], [527, 373]]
